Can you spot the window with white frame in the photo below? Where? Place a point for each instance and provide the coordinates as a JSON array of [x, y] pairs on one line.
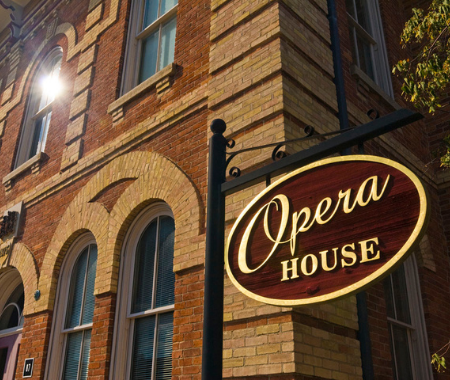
[[144, 328], [43, 91], [71, 332], [409, 348], [151, 41], [367, 40], [11, 322]]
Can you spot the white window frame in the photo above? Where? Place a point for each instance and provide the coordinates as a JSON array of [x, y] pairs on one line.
[[375, 38], [130, 77], [58, 337], [9, 281], [417, 332], [121, 358], [34, 113]]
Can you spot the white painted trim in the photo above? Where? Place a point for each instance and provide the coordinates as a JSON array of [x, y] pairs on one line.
[[58, 335], [135, 36], [33, 111], [124, 323]]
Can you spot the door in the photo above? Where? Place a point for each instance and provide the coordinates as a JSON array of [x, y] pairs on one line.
[[9, 347]]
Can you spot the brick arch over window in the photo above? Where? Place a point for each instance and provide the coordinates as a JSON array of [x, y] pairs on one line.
[[157, 178], [66, 29], [22, 259]]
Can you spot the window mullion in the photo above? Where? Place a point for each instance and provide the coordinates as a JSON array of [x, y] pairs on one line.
[[155, 264], [394, 306], [81, 355], [84, 287], [155, 346], [355, 10], [391, 331], [158, 54]]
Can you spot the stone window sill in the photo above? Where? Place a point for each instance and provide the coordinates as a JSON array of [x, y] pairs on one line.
[[34, 163], [361, 76], [161, 80]]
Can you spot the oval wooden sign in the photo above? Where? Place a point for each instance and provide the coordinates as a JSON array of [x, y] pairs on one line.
[[326, 230]]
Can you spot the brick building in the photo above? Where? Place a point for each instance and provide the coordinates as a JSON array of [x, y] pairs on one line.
[[105, 108]]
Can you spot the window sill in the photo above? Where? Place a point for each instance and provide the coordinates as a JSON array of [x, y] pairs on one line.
[[361, 76], [161, 80], [34, 163]]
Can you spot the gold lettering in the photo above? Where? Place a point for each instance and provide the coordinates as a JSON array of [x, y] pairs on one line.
[[304, 219], [348, 255], [324, 260], [295, 231], [292, 269], [242, 254], [346, 195], [373, 191], [365, 250], [314, 265]]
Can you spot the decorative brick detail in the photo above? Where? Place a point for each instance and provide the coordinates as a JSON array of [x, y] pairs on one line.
[[157, 178], [51, 28], [80, 104], [94, 16], [23, 260], [71, 154], [93, 4], [425, 255], [2, 127], [76, 128], [7, 94], [87, 58], [83, 81], [11, 76]]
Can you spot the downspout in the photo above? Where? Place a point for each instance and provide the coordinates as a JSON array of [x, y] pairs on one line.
[[363, 322]]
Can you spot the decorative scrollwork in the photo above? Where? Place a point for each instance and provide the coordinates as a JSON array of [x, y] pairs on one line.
[[278, 154], [235, 172], [231, 143], [373, 114], [309, 130]]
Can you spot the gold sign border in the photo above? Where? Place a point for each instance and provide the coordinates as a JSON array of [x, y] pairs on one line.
[[396, 260]]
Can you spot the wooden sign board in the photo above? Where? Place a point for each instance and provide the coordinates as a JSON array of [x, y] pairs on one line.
[[326, 230]]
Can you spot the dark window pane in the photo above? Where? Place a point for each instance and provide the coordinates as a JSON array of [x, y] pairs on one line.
[[149, 56], [401, 295], [144, 270], [167, 50], [150, 12], [85, 355], [3, 355], [166, 278], [362, 14], [389, 297], [10, 317], [74, 342], [365, 57], [164, 349], [76, 292], [142, 360], [167, 5], [400, 347], [350, 8], [89, 302]]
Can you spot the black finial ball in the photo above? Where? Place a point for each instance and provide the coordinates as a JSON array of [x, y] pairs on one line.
[[218, 126]]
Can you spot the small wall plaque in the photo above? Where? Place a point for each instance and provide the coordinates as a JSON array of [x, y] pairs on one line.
[[28, 367]]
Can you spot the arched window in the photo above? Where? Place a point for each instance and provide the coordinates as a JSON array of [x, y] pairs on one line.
[[43, 91], [11, 321], [71, 335], [146, 299]]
